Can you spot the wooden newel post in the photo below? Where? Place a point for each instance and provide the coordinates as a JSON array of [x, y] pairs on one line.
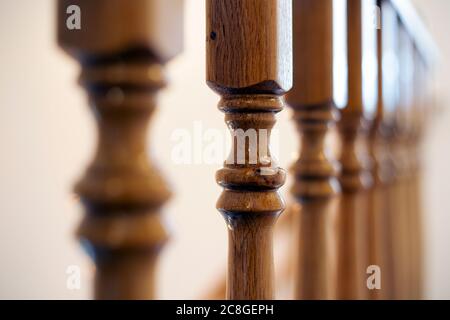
[[122, 47], [315, 185], [249, 64]]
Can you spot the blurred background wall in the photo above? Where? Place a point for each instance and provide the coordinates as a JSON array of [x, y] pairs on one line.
[[47, 136]]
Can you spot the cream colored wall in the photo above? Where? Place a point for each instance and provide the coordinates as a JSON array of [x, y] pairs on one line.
[[437, 150], [47, 136]]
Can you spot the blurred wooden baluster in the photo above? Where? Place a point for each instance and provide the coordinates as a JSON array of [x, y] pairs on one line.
[[387, 163], [249, 64], [413, 136], [355, 177], [316, 186], [413, 198], [401, 216], [410, 52], [122, 47], [379, 244], [419, 118], [417, 137]]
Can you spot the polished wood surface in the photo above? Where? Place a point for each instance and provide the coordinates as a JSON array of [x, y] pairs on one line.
[[249, 64], [122, 48], [316, 186]]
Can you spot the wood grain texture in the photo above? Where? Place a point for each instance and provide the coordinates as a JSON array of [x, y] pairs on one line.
[[254, 39], [316, 186], [122, 70], [355, 177], [217, 290], [248, 45]]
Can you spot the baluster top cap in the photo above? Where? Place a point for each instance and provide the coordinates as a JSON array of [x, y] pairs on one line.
[[249, 45], [114, 26]]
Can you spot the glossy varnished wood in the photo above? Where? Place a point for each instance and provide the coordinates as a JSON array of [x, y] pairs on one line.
[[315, 185], [122, 47], [248, 45]]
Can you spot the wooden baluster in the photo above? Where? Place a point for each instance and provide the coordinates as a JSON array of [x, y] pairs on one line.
[[412, 137], [416, 137], [411, 159], [379, 244], [401, 216], [387, 163], [122, 47], [316, 185], [249, 53], [406, 120], [422, 112], [355, 176]]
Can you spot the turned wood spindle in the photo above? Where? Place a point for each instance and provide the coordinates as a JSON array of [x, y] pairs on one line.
[[378, 227], [407, 158], [380, 249], [122, 47], [401, 208], [316, 186], [388, 164], [355, 177], [416, 136], [249, 64]]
